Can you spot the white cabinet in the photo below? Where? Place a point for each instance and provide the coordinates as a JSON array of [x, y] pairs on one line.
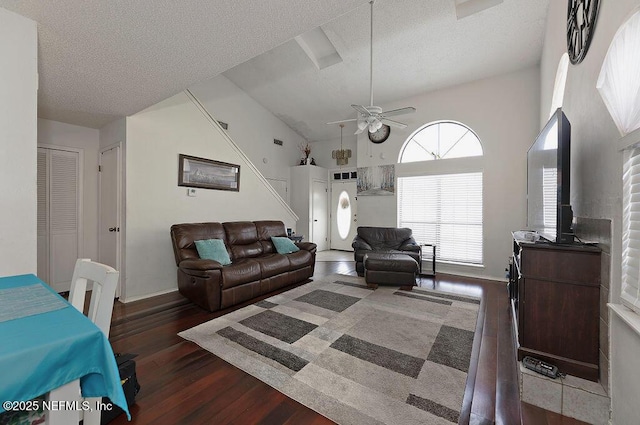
[[309, 200]]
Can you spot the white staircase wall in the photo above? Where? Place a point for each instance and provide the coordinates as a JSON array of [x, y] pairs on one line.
[[251, 126], [154, 201]]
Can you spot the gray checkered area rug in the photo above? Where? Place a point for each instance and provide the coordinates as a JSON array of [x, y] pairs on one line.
[[354, 354]]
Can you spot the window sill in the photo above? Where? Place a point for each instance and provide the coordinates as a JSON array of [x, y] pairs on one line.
[[455, 263], [627, 315]]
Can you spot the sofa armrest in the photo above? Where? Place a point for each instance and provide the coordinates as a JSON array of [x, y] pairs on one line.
[[199, 264], [307, 246], [410, 245], [360, 244]]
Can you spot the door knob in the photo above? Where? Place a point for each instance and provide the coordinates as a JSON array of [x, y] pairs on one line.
[[112, 229]]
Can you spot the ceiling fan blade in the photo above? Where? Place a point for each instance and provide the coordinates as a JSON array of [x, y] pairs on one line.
[[359, 130], [393, 112], [361, 110], [393, 123], [341, 121]]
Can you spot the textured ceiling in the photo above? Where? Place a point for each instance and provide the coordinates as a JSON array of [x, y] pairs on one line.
[[419, 46], [100, 60]]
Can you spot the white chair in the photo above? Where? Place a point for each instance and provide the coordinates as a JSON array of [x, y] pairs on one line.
[[105, 281]]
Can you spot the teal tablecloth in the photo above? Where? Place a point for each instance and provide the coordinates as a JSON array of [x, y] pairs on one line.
[[44, 351]]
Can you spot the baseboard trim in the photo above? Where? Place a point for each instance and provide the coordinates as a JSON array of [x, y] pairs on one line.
[[143, 297]]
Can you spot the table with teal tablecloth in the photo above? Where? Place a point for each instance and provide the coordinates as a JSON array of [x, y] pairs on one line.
[[51, 346]]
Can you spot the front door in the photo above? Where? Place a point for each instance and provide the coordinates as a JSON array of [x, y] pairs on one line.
[[343, 214]]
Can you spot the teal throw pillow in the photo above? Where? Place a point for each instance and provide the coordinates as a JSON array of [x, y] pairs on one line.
[[284, 245], [213, 249]]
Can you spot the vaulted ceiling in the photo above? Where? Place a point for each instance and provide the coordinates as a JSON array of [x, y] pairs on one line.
[[100, 60]]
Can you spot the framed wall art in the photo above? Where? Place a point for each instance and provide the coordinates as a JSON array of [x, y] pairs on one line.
[[208, 174], [376, 181]]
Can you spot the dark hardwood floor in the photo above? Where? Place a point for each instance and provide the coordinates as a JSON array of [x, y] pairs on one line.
[[184, 384]]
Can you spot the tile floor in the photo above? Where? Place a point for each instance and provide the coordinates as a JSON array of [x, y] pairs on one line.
[[569, 396]]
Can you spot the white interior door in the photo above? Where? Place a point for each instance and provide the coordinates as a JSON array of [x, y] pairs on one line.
[[109, 210], [344, 215], [59, 228], [319, 215]]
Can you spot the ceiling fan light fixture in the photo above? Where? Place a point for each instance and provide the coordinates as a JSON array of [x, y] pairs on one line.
[[370, 117]]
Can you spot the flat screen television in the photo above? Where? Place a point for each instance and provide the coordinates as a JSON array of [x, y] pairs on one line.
[[548, 181]]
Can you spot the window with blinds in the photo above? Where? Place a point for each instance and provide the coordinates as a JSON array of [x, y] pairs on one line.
[[631, 230], [444, 209]]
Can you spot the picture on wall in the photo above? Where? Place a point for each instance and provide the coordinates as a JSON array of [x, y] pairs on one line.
[[376, 181], [208, 174]]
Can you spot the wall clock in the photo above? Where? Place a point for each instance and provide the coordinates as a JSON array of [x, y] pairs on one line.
[[581, 23], [380, 135]]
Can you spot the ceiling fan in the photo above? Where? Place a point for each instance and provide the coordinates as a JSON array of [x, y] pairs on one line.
[[372, 117]]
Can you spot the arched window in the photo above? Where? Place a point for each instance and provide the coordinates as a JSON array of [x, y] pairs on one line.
[[618, 82], [441, 140], [443, 207]]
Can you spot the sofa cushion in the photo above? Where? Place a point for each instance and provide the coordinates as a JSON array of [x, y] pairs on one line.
[[359, 255], [272, 264], [268, 228], [265, 230], [213, 249], [384, 238], [242, 238], [184, 235], [240, 232], [284, 245], [240, 272]]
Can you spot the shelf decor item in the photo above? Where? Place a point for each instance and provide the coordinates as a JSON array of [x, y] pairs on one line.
[[305, 148], [207, 173]]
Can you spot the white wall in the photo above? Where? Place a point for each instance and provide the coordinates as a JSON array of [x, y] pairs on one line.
[[504, 113], [18, 106], [251, 126], [596, 174], [155, 137], [73, 136], [114, 132]]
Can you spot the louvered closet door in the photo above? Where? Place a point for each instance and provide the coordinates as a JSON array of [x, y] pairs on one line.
[[43, 216], [58, 221]]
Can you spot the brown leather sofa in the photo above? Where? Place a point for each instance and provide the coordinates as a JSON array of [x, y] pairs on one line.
[[386, 240], [256, 268]]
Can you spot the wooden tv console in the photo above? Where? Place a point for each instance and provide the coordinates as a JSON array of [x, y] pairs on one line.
[[555, 297]]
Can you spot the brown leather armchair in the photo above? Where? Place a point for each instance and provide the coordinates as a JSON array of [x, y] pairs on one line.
[[392, 240]]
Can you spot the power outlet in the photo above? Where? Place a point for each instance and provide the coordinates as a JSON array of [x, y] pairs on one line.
[[191, 192]]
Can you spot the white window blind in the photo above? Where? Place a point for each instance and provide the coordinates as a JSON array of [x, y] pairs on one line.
[[631, 230], [444, 209], [550, 199]]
